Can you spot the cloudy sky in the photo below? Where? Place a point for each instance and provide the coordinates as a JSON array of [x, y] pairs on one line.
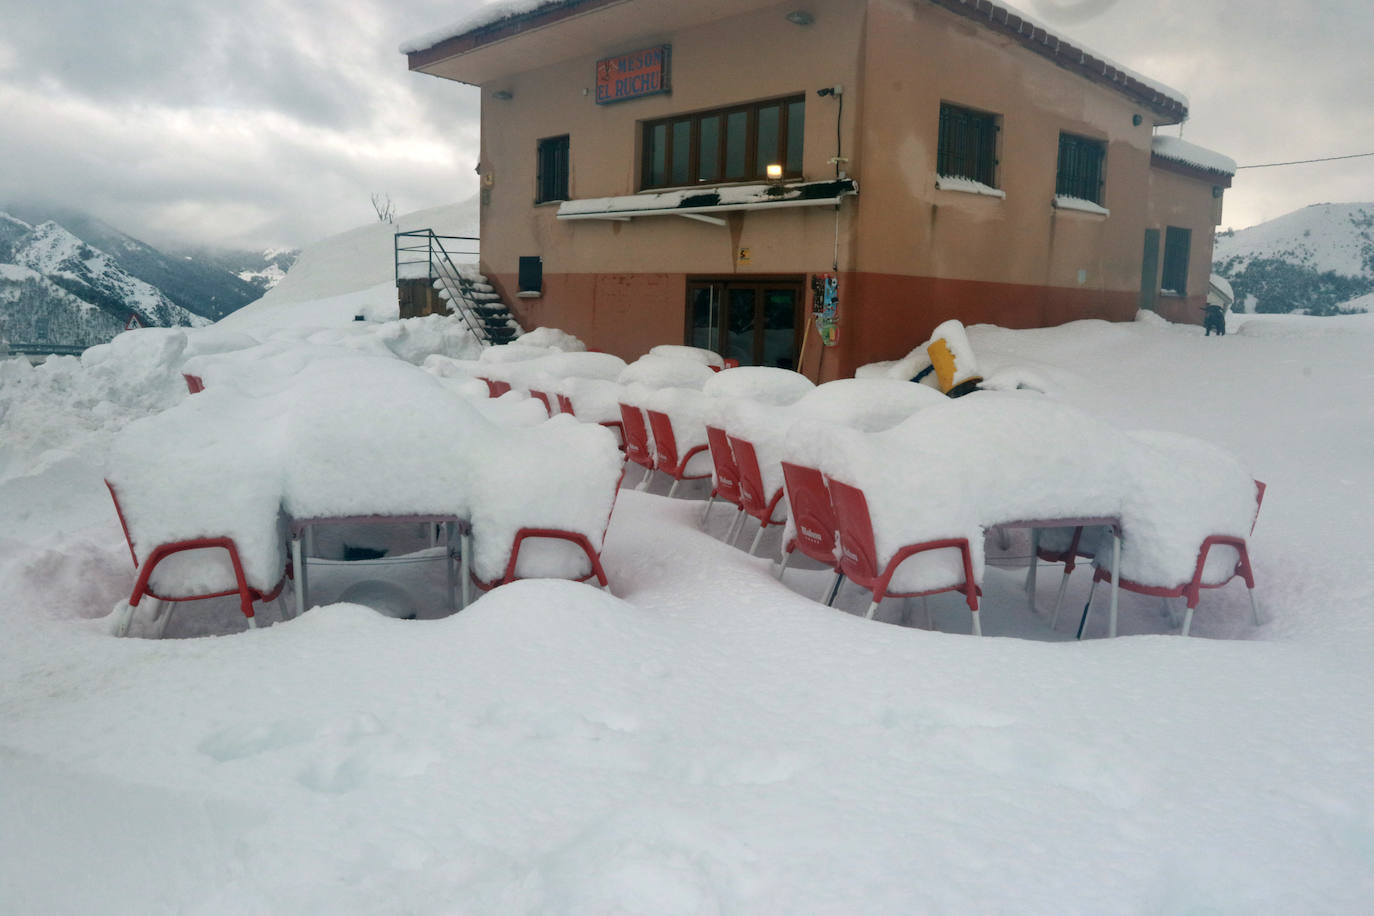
[[272, 122]]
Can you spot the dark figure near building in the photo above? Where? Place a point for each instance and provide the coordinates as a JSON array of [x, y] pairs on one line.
[[1214, 320]]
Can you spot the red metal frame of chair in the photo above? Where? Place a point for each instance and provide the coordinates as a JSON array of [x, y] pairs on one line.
[[577, 538], [813, 516], [194, 383], [727, 477], [858, 554], [752, 498], [565, 405], [247, 594], [1068, 556], [542, 396], [495, 387], [1191, 591], [636, 433], [731, 363], [666, 458]]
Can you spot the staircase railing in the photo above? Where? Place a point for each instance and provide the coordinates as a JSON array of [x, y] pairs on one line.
[[421, 253]]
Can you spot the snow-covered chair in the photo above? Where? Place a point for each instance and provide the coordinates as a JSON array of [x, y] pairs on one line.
[[1231, 559], [638, 446], [174, 590], [725, 478], [860, 561], [811, 521], [758, 500]]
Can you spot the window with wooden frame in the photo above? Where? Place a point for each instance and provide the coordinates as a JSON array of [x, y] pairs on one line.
[[1080, 172], [724, 144], [1177, 243], [551, 179], [967, 147]]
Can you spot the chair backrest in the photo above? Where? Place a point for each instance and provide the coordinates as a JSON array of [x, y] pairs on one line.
[[751, 492], [811, 512], [858, 552], [727, 472], [122, 523], [543, 398], [565, 405], [495, 388], [194, 383], [665, 443], [636, 436]]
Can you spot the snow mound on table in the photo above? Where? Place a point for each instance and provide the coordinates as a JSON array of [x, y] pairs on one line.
[[402, 466], [553, 339], [512, 353], [593, 400], [562, 475], [867, 404], [666, 372], [697, 354], [765, 384]]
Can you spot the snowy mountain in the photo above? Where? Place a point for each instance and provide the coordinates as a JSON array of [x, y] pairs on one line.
[[60, 289], [261, 268], [193, 279], [1318, 259]]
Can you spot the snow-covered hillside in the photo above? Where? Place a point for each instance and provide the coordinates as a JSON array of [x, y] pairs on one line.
[[354, 272], [95, 277], [1318, 258], [33, 309]]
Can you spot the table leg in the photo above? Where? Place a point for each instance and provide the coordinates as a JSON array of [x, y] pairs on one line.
[[465, 565], [1033, 570], [298, 567], [1116, 581], [448, 563]]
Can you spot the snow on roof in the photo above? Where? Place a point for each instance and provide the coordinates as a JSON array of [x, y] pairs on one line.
[[1222, 287], [1176, 149], [490, 14]]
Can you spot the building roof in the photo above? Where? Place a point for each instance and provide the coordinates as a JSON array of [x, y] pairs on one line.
[[1176, 149], [503, 20]]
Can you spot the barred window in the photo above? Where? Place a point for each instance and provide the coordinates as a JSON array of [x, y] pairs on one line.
[[1080, 168], [551, 182], [967, 146], [725, 144]]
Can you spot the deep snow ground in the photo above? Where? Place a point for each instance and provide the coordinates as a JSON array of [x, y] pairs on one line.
[[709, 740]]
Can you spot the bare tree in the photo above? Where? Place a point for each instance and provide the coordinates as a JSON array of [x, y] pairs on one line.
[[386, 210]]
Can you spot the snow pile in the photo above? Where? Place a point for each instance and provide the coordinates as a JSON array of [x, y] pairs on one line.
[[761, 384], [708, 358], [666, 372], [552, 339]]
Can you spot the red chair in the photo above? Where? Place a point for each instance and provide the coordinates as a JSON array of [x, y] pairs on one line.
[[813, 517], [1191, 590], [194, 383], [726, 477], [544, 398], [637, 447], [565, 405], [756, 503], [495, 388], [143, 585], [731, 363], [666, 458], [859, 555]]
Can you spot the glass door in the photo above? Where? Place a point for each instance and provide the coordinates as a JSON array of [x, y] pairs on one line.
[[756, 322]]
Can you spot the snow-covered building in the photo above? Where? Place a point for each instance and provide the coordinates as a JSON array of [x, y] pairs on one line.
[[657, 171]]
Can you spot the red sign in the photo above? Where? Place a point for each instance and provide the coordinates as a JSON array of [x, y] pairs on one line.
[[632, 75]]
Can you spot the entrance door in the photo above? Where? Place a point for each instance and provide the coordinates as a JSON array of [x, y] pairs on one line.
[[754, 321]]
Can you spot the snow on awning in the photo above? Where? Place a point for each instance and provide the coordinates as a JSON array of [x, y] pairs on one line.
[[1177, 150], [700, 204]]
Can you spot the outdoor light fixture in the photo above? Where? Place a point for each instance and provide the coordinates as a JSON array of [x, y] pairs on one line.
[[800, 17], [1136, 119], [504, 95], [774, 172]]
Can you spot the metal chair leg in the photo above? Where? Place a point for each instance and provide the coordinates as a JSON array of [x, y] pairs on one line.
[[977, 624], [1254, 607], [1087, 605], [872, 609], [162, 612], [758, 536], [834, 590], [1059, 599], [786, 558], [706, 513], [1187, 622], [672, 491]]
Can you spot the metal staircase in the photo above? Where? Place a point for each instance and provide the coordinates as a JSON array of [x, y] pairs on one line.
[[423, 255]]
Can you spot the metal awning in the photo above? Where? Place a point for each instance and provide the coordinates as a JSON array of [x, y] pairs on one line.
[[700, 205]]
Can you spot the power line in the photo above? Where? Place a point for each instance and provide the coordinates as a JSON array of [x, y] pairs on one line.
[[1270, 165]]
